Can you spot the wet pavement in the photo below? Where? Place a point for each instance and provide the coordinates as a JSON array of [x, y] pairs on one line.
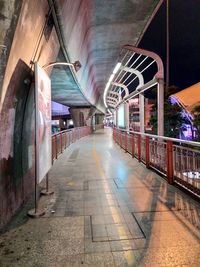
[[107, 210]]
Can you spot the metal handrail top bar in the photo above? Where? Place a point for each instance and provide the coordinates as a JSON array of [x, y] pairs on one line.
[[139, 90], [68, 130], [164, 137]]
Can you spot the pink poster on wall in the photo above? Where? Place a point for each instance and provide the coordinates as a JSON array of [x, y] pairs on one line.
[[43, 122]]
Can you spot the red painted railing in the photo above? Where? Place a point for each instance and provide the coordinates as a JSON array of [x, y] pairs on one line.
[[61, 140], [178, 160]]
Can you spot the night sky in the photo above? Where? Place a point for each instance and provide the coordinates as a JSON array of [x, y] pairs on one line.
[[184, 40]]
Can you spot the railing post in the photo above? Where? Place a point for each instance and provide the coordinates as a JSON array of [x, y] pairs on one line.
[[139, 147], [147, 151], [170, 171], [52, 142], [56, 146], [61, 142], [133, 146], [68, 138], [126, 141], [65, 140]]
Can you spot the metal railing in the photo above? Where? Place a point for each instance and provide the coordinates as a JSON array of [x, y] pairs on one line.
[[61, 140], [178, 160]]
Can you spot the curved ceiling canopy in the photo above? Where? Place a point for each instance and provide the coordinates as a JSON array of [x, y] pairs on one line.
[[93, 32], [135, 68]]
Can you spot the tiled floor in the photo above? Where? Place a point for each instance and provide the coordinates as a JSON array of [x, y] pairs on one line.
[[107, 210]]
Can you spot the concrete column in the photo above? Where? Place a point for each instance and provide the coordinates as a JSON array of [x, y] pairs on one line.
[[99, 118], [117, 118], [141, 110], [80, 116], [160, 107], [127, 115]]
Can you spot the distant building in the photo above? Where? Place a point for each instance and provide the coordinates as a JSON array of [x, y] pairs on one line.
[[188, 99]]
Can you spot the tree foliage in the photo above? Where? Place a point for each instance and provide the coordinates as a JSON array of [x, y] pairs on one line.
[[196, 120], [173, 119]]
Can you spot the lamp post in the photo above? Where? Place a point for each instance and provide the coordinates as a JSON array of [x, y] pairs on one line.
[[34, 213], [76, 65]]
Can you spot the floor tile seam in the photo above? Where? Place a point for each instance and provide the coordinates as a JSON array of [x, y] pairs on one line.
[[108, 235], [115, 240]]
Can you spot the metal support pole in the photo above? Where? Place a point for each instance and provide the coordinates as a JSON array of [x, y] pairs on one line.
[[46, 191], [160, 107], [167, 45], [35, 213], [141, 108]]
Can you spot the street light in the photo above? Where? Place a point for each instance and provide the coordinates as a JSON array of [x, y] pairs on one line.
[[34, 213], [76, 65]]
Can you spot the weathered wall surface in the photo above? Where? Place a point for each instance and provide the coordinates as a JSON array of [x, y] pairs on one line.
[[9, 13], [31, 41]]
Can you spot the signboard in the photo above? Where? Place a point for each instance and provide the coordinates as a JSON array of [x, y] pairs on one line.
[[121, 116], [115, 118], [43, 122]]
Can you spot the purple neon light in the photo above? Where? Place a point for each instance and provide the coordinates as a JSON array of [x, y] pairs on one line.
[[59, 109]]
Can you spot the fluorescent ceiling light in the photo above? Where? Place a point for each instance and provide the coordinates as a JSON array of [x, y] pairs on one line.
[[111, 77], [109, 82], [117, 67]]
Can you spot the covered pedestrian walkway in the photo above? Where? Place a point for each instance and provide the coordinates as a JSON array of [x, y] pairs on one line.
[[107, 210]]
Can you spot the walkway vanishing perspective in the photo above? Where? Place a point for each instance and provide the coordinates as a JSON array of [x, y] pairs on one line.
[[107, 210]]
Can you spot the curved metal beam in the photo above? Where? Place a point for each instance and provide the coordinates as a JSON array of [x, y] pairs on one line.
[[137, 73], [122, 86], [160, 73]]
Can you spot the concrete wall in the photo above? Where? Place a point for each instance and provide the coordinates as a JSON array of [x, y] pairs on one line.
[[30, 42], [80, 116], [75, 17], [9, 13]]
